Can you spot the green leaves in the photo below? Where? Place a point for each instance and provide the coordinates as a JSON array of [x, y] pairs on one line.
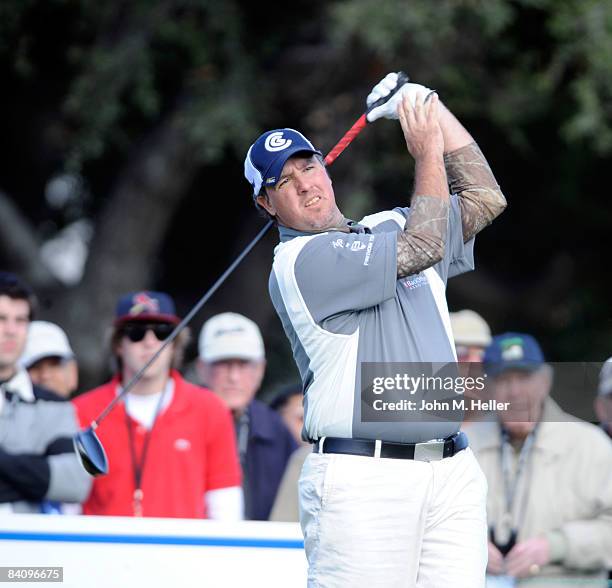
[[514, 60]]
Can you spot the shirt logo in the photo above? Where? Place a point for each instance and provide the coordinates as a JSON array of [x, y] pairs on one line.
[[276, 142], [182, 445], [414, 282], [354, 246]]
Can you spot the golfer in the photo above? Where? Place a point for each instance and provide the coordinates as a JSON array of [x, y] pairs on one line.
[[383, 502]]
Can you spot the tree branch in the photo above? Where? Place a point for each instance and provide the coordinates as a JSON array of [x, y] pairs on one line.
[[19, 247]]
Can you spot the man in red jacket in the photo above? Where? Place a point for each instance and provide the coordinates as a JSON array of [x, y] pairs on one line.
[[170, 445]]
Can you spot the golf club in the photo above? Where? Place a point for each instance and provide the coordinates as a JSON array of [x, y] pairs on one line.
[[86, 443]]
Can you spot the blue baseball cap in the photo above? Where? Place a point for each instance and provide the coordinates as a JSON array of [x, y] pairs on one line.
[[146, 306], [266, 157], [512, 351]]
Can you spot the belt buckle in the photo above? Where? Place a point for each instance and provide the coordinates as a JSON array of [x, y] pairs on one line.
[[429, 451]]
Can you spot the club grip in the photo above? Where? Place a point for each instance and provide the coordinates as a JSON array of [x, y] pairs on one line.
[[346, 140]]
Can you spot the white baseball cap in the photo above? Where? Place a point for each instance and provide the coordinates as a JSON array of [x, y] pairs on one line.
[[230, 336], [45, 340], [605, 378], [469, 328]]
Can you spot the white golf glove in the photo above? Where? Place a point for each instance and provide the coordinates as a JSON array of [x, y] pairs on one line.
[[389, 108]]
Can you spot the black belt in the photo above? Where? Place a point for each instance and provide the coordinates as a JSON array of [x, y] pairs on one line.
[[428, 451]]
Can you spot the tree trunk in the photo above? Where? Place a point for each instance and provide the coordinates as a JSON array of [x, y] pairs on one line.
[[128, 237]]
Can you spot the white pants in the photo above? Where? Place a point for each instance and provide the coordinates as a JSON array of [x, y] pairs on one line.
[[390, 523]]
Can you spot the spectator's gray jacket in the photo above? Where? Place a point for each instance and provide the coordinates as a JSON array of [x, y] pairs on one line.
[[37, 459], [569, 480]]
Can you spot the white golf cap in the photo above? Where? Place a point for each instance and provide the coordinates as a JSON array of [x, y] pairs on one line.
[[230, 336], [45, 340], [469, 328], [605, 378]]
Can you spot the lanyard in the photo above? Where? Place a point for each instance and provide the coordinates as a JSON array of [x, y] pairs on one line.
[[242, 433], [139, 465], [510, 488]]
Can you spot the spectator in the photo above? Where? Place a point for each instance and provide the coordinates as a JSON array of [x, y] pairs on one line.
[[603, 402], [49, 359], [471, 334], [289, 404], [170, 444], [37, 460], [232, 364], [550, 477]]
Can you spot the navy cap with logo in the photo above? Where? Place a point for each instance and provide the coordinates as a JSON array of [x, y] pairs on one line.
[[146, 306], [266, 157], [512, 351]]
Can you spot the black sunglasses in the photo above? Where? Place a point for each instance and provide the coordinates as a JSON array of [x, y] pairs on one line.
[[136, 332]]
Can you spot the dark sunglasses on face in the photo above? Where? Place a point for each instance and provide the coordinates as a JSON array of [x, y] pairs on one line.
[[136, 332]]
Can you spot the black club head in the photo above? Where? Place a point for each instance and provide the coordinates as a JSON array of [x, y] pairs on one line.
[[90, 452]]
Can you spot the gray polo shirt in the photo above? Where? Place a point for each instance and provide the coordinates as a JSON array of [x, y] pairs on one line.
[[341, 304]]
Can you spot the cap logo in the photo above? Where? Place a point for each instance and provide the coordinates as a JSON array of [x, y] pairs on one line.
[[221, 332], [143, 303], [276, 142], [512, 349]]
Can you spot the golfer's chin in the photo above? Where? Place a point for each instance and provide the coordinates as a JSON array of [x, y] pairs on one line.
[[321, 221]]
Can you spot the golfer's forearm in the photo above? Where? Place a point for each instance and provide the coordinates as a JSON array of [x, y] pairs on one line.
[[455, 134], [422, 242], [430, 176], [471, 178]]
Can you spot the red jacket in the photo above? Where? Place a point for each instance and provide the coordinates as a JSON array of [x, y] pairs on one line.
[[192, 450]]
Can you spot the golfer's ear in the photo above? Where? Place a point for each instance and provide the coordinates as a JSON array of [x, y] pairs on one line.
[[264, 202]]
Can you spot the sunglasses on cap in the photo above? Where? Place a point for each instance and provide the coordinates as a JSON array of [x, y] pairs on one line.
[[136, 332]]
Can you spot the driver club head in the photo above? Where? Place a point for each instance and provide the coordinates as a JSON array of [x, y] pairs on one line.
[[91, 452]]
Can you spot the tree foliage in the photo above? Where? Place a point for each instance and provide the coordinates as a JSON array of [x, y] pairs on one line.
[[511, 61]]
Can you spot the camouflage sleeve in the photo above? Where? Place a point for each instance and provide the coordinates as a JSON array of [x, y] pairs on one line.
[[421, 244], [471, 178]]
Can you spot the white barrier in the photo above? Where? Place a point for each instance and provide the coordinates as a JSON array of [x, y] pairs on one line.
[[125, 552]]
